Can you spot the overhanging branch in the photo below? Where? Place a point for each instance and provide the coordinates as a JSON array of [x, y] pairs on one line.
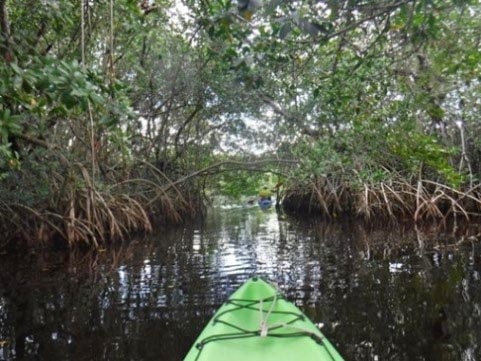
[[231, 166]]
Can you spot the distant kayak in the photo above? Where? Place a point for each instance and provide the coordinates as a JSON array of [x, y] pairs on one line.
[[258, 324], [265, 203]]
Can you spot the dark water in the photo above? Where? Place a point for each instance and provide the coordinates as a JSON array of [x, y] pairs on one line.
[[381, 295]]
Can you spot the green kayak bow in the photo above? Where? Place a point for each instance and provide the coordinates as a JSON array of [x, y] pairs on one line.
[[258, 324]]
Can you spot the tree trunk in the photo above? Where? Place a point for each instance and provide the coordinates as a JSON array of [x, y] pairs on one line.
[[6, 43]]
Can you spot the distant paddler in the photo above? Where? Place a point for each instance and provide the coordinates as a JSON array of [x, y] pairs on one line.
[[265, 198], [265, 194]]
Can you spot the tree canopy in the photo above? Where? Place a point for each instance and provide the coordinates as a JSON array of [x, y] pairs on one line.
[[112, 113]]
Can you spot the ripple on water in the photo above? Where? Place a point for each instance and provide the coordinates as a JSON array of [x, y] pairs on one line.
[[150, 300]]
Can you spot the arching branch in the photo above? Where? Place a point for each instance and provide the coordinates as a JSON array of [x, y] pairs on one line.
[[223, 166]]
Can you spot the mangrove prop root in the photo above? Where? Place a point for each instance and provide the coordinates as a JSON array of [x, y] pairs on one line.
[[396, 200]]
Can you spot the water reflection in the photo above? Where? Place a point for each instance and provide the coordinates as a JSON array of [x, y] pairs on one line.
[[379, 294]]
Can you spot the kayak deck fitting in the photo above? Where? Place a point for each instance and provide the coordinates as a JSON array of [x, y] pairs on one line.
[[257, 323]]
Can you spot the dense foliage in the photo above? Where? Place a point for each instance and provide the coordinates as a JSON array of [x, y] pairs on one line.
[[114, 114]]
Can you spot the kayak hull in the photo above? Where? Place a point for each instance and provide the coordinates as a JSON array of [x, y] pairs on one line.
[[257, 323], [265, 203]]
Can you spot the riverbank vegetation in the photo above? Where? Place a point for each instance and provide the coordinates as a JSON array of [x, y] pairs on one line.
[[117, 115]]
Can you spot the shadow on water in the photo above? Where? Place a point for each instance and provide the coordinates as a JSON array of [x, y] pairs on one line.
[[383, 294]]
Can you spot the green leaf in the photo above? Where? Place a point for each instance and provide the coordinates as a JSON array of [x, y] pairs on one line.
[[272, 6], [97, 99], [77, 92], [285, 30], [16, 69], [68, 100]]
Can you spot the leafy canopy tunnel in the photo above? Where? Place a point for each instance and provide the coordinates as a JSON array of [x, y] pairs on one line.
[[112, 113]]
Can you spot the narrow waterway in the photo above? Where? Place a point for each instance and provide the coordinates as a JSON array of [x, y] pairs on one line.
[[380, 294]]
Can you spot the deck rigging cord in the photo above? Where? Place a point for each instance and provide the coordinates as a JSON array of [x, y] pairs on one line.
[[264, 330], [264, 326]]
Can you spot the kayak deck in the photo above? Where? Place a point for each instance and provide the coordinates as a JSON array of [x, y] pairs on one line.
[[257, 323]]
